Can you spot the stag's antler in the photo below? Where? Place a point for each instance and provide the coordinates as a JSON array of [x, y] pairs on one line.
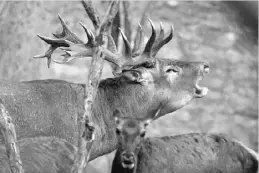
[[76, 48], [161, 41]]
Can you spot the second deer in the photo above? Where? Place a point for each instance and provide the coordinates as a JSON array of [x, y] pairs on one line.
[[188, 153]]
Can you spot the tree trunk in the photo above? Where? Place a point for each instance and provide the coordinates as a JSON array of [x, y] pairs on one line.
[[86, 130], [12, 148]]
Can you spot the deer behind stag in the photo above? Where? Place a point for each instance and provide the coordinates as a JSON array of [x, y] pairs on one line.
[[143, 84], [192, 153]]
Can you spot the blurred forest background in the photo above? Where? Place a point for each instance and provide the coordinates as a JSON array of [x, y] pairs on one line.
[[214, 32]]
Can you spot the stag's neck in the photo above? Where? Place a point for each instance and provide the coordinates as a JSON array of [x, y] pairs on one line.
[[117, 166], [131, 98]]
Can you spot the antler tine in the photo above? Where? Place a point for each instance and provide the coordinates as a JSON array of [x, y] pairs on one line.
[[128, 51], [55, 43], [47, 54], [161, 34], [139, 41], [67, 34], [149, 45], [159, 44], [90, 35], [65, 39]]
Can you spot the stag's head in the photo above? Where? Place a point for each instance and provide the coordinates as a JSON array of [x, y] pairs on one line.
[[172, 83], [130, 134]]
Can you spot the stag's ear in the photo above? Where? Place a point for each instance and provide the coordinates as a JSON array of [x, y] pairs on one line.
[[117, 116], [140, 75]]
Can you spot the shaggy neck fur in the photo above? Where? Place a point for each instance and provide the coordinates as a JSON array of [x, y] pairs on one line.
[[135, 100]]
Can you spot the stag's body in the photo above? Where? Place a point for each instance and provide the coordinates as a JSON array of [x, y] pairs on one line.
[[51, 107], [191, 153], [42, 155]]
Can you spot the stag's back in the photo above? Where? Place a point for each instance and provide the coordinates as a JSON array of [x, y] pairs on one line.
[[196, 153], [41, 108]]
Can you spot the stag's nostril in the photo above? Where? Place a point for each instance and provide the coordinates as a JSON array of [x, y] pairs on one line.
[[206, 68]]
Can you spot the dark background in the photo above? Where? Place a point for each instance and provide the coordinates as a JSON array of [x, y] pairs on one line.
[[223, 34]]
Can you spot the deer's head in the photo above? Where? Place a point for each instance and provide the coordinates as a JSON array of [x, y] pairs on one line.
[[171, 83], [130, 134]]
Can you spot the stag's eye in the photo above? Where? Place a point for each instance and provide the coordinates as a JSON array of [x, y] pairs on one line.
[[118, 131], [173, 69], [142, 134]]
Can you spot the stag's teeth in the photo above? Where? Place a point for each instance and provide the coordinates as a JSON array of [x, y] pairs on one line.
[[200, 91], [206, 70]]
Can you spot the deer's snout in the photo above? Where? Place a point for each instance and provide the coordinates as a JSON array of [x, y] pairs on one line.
[[128, 156], [128, 160]]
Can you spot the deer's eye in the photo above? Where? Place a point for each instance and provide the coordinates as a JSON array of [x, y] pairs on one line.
[[173, 69], [142, 134], [118, 131]]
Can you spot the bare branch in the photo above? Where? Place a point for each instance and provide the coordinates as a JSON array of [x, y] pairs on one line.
[[107, 22], [8, 130], [127, 23], [92, 13], [115, 25], [85, 130]]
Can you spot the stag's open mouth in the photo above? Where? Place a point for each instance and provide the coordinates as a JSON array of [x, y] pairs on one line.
[[198, 90]]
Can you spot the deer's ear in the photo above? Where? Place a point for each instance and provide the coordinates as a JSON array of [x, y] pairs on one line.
[[151, 117], [147, 122], [116, 116], [138, 75]]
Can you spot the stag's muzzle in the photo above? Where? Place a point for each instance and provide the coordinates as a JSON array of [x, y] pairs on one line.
[[198, 90]]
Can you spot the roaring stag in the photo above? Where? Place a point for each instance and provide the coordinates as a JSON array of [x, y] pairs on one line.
[[43, 155], [192, 153], [143, 84]]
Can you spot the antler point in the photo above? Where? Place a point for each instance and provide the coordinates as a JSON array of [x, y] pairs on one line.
[[161, 25], [172, 28], [151, 23]]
